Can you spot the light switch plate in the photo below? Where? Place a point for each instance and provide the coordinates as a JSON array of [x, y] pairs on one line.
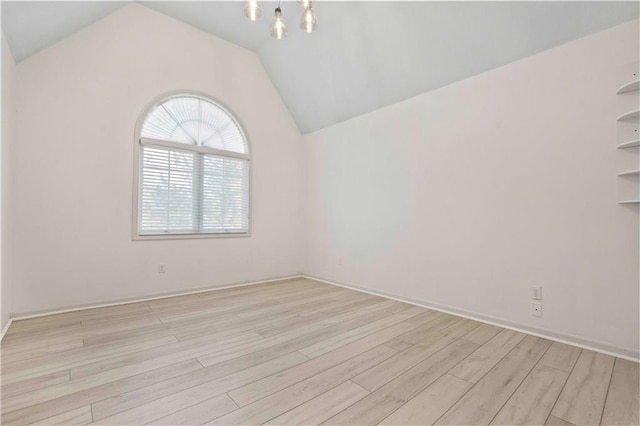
[[536, 293]]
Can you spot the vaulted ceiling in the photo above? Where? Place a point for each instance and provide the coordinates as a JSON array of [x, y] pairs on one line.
[[364, 56]]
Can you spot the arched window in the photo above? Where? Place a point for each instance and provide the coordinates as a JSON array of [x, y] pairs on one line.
[[193, 170]]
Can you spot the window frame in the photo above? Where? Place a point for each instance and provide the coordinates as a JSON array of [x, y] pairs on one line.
[[137, 141]]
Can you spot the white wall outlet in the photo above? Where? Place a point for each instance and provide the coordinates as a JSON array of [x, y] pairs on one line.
[[536, 293], [536, 309], [161, 269]]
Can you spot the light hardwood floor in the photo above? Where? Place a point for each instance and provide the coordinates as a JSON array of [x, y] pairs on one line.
[[300, 352]]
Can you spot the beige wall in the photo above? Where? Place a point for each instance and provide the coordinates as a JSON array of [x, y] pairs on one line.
[[78, 105], [467, 196], [8, 101]]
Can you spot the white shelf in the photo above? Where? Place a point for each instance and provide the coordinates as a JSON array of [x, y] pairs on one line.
[[632, 86], [628, 81], [629, 115], [629, 144]]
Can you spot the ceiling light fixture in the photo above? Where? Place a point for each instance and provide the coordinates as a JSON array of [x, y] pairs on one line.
[[253, 9], [308, 20], [278, 28]]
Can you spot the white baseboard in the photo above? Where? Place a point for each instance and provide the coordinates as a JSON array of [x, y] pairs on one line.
[[5, 328], [624, 353], [28, 315]]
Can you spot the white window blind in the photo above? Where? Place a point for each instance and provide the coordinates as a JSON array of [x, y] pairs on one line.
[[198, 181]]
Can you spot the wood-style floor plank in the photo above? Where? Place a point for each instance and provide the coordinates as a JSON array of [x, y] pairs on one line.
[[358, 333], [484, 400], [261, 388], [209, 379], [35, 383], [199, 413], [53, 407], [386, 371], [422, 332], [534, 399], [76, 358], [582, 399], [561, 356], [79, 416], [554, 421], [278, 403], [621, 406], [483, 334], [322, 407], [299, 352], [384, 401], [168, 353], [430, 404], [481, 361]]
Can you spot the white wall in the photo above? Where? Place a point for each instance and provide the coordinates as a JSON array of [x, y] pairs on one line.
[[8, 99], [78, 103], [467, 196]]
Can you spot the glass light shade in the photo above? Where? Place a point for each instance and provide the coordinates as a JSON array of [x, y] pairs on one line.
[[253, 9], [278, 26], [306, 3], [308, 20]]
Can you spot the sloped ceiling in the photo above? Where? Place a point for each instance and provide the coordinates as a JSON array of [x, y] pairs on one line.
[[32, 26], [365, 55]]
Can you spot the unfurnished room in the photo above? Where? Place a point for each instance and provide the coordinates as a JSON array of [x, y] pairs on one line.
[[325, 212]]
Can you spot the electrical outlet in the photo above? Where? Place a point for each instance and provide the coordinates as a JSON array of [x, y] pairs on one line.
[[536, 293], [161, 269], [536, 309]]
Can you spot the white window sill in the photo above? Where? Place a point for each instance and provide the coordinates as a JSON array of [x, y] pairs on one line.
[[150, 237]]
